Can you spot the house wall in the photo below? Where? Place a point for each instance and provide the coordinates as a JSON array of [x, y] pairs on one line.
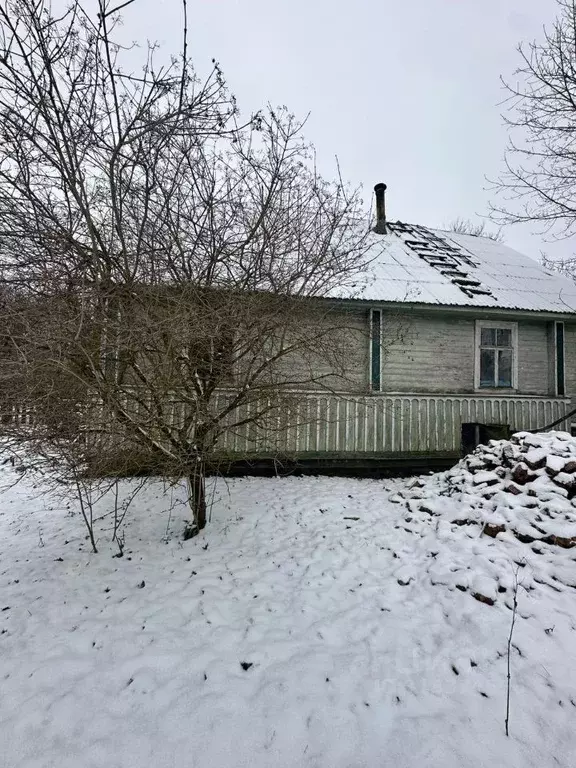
[[428, 377], [534, 359], [434, 352], [337, 359], [428, 380], [437, 354]]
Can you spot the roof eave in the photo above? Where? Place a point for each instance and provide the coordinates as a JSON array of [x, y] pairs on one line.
[[463, 309]]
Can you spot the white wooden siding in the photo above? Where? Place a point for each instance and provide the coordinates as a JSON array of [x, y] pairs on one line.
[[437, 355], [340, 361], [389, 423], [356, 424], [534, 360]]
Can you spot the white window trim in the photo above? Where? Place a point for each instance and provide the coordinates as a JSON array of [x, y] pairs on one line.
[[505, 326]]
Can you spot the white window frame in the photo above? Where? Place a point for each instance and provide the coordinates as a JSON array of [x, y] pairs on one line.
[[505, 327]]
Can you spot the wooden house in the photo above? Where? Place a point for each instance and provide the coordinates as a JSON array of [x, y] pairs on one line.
[[488, 344], [450, 339]]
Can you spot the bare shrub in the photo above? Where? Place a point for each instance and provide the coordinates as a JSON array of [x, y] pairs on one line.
[[467, 227], [166, 266]]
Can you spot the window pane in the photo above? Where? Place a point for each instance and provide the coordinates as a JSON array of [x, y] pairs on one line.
[[487, 337], [503, 337], [504, 367], [487, 367]]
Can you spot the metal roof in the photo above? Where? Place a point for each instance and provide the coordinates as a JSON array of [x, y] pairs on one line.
[[415, 265]]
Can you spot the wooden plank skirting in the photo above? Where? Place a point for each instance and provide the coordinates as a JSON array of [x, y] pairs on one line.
[[315, 423]]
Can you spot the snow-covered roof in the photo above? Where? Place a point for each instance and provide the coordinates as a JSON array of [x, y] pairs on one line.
[[417, 265]]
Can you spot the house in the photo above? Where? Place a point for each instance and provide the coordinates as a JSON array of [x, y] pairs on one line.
[[445, 341], [485, 343]]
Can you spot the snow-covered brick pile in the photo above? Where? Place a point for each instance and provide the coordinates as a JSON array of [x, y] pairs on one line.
[[520, 492]]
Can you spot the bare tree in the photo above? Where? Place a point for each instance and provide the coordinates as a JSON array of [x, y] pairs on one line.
[[515, 586], [467, 227], [566, 266], [167, 268], [539, 182]]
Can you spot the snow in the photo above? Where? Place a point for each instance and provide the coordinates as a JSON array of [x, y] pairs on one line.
[[485, 477], [398, 274], [555, 463], [350, 604], [536, 456]]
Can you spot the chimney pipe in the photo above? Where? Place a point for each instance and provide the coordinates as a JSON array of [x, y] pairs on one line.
[[380, 190]]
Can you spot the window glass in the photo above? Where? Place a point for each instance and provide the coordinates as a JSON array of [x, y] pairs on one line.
[[496, 357], [487, 337], [487, 367], [504, 367]]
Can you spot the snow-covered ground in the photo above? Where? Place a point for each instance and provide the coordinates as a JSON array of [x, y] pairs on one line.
[[317, 622]]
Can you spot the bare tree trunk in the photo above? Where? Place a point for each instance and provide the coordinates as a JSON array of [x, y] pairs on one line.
[[86, 509], [197, 500], [509, 649]]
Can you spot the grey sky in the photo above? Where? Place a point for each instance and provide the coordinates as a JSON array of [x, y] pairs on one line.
[[403, 92]]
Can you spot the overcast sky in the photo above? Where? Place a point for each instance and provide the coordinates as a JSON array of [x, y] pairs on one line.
[[403, 91]]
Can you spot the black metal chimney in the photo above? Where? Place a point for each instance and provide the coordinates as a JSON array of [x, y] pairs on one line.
[[380, 190]]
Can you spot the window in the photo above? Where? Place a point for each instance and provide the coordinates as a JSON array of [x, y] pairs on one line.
[[495, 356], [375, 350]]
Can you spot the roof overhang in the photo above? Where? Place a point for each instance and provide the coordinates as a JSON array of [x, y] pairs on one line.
[[454, 309]]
